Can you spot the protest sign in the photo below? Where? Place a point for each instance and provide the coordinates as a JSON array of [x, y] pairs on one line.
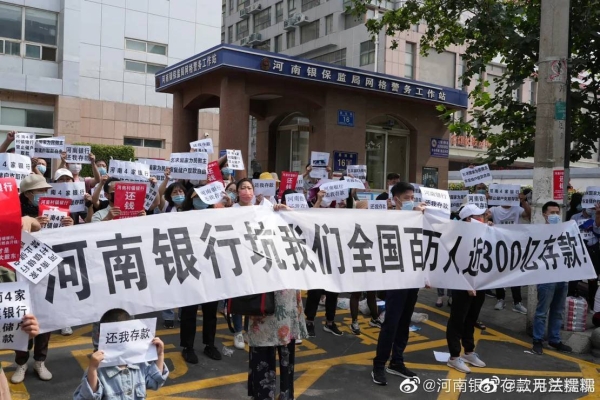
[[156, 167], [51, 147], [377, 205], [55, 217], [296, 201], [25, 144], [436, 199], [354, 183], [591, 197], [14, 166], [129, 171], [189, 166], [300, 184], [475, 175], [504, 195], [127, 342], [357, 171], [151, 193], [417, 192], [203, 145], [130, 198], [78, 154], [288, 182], [10, 217], [48, 203], [245, 251], [457, 197], [335, 191], [14, 304], [235, 160], [70, 190], [214, 172], [319, 162], [211, 193], [479, 200], [37, 259], [266, 187]]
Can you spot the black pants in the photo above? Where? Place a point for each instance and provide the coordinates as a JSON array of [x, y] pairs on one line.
[[461, 324], [393, 337], [262, 377], [40, 351], [516, 294], [187, 333], [312, 304]]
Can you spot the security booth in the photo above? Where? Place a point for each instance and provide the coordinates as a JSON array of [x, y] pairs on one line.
[[359, 117]]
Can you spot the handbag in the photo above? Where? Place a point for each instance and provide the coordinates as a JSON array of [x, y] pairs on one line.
[[260, 305]]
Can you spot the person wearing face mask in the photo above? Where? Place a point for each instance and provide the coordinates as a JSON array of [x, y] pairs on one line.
[[227, 174], [32, 188], [231, 192], [574, 206], [399, 307], [38, 166], [75, 169], [551, 299]]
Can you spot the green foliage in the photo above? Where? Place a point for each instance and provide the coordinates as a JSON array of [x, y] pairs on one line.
[[508, 30], [456, 186], [106, 152]]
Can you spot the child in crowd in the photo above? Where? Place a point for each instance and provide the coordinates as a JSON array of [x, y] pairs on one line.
[[123, 381]]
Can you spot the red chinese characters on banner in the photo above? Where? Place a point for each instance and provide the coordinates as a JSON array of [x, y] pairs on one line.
[[48, 203], [129, 198], [10, 221], [288, 181], [558, 179], [214, 172]]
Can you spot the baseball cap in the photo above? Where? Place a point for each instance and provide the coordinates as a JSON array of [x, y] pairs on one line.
[[62, 172], [33, 182], [470, 210], [266, 175]]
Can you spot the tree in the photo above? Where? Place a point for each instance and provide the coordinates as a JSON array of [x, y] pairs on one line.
[[508, 30]]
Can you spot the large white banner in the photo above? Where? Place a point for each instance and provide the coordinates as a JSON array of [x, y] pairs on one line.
[[176, 259]]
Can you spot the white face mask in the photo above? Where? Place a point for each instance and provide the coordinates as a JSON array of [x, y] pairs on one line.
[[75, 168]]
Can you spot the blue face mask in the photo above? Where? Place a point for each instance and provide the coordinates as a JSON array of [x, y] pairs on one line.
[[199, 204], [554, 219], [102, 171], [232, 196], [481, 191], [42, 169], [408, 205], [36, 199], [227, 171], [579, 208], [178, 199]]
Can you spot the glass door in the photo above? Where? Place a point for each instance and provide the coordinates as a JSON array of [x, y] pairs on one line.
[[292, 151], [385, 152]]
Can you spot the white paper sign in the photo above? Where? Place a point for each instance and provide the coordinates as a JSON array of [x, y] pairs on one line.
[[354, 183], [14, 166], [55, 217], [296, 200], [37, 259], [157, 167], [377, 204], [475, 175], [319, 162], [151, 193], [300, 184], [456, 198], [14, 304], [504, 195], [436, 199], [478, 199], [25, 144], [591, 197], [205, 145], [211, 193], [50, 147], [417, 192], [127, 342], [266, 187], [235, 160], [189, 166], [129, 171], [336, 191], [71, 190], [78, 154], [357, 171]]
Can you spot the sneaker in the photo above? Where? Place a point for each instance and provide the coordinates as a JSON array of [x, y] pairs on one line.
[[66, 331], [355, 327], [439, 302], [169, 324], [400, 370], [238, 341], [42, 371], [212, 352], [459, 365], [298, 341], [375, 323], [560, 346], [537, 348], [519, 308], [499, 305], [19, 375], [378, 376], [310, 328], [189, 355], [474, 360], [332, 328]]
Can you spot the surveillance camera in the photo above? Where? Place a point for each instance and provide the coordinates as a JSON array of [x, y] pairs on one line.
[[206, 134]]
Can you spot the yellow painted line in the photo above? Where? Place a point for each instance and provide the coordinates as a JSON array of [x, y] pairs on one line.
[[432, 309], [18, 391], [450, 393], [180, 367], [591, 372], [307, 379]]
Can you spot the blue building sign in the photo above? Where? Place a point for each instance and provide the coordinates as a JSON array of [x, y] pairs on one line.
[[346, 118], [341, 159], [440, 148]]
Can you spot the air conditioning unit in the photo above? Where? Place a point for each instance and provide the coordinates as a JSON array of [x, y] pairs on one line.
[[254, 8], [301, 20], [255, 38], [244, 13], [288, 24], [244, 41]]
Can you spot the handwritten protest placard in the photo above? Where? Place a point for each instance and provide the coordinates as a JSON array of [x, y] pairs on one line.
[[189, 165], [130, 198], [377, 205], [235, 161], [478, 199], [211, 193], [156, 167], [75, 191], [127, 342], [475, 175], [78, 154], [357, 171], [591, 197], [14, 166], [25, 144], [504, 195], [205, 145], [14, 304], [266, 187], [296, 201], [37, 259], [436, 199], [335, 191], [456, 198], [354, 183], [49, 147], [129, 171]]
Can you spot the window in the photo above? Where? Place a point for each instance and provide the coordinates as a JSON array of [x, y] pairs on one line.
[[278, 43], [241, 29], [367, 53], [291, 39], [309, 32], [146, 47], [142, 67], [291, 7], [231, 2], [10, 116], [409, 60], [138, 142], [308, 4], [335, 57], [230, 34], [242, 4], [351, 21], [279, 12], [329, 24], [36, 29], [262, 20]]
